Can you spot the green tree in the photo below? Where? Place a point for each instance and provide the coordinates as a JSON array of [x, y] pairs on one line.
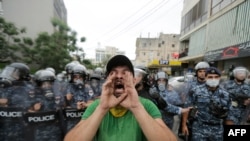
[[52, 50], [9, 41]]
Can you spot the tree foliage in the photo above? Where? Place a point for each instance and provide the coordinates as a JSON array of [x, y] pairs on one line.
[[9, 41], [53, 50], [46, 50]]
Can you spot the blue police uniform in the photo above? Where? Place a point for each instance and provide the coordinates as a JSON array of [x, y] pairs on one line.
[[172, 99], [45, 123], [238, 93], [12, 126], [79, 94], [212, 107]]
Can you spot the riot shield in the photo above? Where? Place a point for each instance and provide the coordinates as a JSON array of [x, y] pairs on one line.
[[42, 126], [72, 117], [181, 87], [11, 124]]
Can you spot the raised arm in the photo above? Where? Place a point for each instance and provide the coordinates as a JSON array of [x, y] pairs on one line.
[[86, 130], [153, 129]]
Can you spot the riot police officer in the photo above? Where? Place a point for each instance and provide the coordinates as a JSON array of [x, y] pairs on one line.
[[212, 104], [68, 69], [42, 116], [145, 90], [170, 96], [239, 93], [15, 101], [200, 79], [95, 84], [78, 96]]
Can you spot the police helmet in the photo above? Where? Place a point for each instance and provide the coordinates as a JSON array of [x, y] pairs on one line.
[[143, 68], [60, 76], [201, 65], [161, 74], [95, 76], [51, 69], [139, 71], [16, 71], [98, 70], [68, 68], [79, 69], [240, 69], [44, 75]]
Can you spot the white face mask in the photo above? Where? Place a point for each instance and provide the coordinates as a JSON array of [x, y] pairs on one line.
[[161, 87], [212, 82]]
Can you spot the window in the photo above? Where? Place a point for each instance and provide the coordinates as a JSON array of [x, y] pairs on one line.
[[218, 5], [163, 42], [173, 45], [195, 16], [194, 13], [159, 45]]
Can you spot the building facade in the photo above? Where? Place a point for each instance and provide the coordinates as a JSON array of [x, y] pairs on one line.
[[103, 54], [34, 15], [159, 53], [216, 31]]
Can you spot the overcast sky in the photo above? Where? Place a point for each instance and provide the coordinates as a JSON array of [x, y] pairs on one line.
[[118, 23]]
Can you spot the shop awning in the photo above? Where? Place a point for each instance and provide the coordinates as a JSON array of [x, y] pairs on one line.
[[191, 58]]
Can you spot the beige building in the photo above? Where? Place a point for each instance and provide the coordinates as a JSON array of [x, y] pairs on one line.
[[158, 52], [34, 15], [216, 31], [102, 54]]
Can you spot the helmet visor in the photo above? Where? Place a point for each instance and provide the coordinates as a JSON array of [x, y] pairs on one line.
[[10, 73]]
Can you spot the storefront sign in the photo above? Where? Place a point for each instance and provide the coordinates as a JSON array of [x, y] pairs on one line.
[[163, 62], [240, 50]]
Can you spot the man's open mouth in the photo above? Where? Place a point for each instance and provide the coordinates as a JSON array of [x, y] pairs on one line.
[[119, 88]]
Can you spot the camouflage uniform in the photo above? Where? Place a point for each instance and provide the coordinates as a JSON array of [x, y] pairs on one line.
[[79, 94], [13, 128], [238, 93], [46, 131], [187, 88], [95, 83], [208, 125], [43, 122], [172, 99]]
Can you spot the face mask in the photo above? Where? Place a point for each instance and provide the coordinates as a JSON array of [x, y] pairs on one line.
[[31, 94], [91, 93], [79, 83], [94, 84], [48, 93], [161, 87], [212, 82], [57, 99]]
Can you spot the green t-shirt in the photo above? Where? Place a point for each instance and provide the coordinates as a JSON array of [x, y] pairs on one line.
[[125, 128]]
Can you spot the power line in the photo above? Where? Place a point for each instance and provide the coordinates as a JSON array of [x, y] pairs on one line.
[[164, 14], [160, 3], [126, 19], [152, 11]]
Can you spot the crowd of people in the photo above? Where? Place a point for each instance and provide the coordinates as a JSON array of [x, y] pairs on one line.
[[123, 103]]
